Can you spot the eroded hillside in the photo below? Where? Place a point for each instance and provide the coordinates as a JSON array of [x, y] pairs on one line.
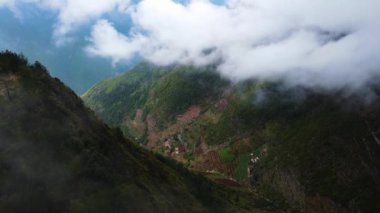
[[56, 156], [308, 150]]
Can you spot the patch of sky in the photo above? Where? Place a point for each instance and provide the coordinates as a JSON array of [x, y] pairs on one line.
[[31, 35], [218, 2]]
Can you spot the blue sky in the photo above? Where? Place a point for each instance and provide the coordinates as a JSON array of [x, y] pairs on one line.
[[30, 31], [318, 44], [31, 35]]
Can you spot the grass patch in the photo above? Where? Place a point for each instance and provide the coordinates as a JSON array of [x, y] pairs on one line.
[[226, 154]]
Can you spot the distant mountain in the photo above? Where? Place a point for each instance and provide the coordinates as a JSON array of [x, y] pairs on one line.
[[308, 150], [56, 156]]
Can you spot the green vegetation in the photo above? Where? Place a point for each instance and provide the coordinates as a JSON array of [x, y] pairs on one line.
[[189, 156], [226, 154], [315, 148], [241, 169], [164, 94], [182, 87], [118, 99], [56, 156], [12, 63]]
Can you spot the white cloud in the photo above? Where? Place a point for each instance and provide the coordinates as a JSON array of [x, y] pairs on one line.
[[108, 42], [12, 5], [74, 13], [325, 42], [71, 13], [6, 2]]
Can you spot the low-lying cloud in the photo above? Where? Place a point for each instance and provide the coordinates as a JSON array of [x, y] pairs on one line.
[[328, 43], [325, 43]]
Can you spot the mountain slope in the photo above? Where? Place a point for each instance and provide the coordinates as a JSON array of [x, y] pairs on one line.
[[307, 150], [56, 156]]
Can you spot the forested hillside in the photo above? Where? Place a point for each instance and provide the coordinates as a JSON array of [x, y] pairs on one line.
[[307, 149], [56, 156]]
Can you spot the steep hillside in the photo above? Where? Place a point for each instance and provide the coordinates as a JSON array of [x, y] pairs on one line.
[[56, 156], [313, 151], [162, 93]]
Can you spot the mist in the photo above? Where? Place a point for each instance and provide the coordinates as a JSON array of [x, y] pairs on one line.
[[321, 44]]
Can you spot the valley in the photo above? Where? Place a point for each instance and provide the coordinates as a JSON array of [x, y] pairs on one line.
[[308, 150], [57, 156]]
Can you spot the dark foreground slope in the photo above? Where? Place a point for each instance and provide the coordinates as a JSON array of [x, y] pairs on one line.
[[56, 156], [307, 150]]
